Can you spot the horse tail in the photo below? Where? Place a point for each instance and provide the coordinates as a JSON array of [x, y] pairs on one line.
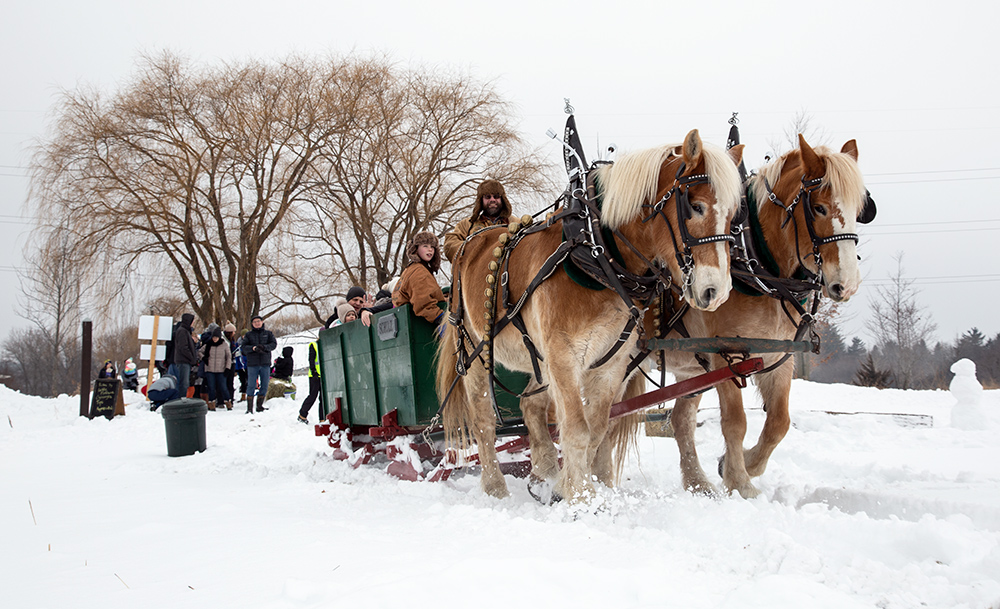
[[624, 431], [451, 391]]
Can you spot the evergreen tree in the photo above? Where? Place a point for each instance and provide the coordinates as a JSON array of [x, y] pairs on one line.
[[870, 376]]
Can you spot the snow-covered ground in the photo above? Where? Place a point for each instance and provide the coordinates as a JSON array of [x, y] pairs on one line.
[[861, 510]]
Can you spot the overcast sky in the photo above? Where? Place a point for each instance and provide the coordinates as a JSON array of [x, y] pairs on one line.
[[914, 82]]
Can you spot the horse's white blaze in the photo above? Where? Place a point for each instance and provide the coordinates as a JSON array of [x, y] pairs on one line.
[[847, 273], [707, 277]]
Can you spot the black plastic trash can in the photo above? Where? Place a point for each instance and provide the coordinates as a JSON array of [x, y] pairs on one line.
[[185, 423]]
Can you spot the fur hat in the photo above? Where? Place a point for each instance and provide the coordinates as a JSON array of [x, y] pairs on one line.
[[355, 292], [343, 310], [491, 187], [424, 238]]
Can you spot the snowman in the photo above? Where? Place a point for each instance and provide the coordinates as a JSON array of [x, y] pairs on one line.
[[966, 413]]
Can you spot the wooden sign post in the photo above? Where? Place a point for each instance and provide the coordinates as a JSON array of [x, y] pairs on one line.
[[107, 400], [153, 328]]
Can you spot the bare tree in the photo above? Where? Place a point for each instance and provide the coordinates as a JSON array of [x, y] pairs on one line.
[[187, 173], [789, 140], [253, 188], [900, 326], [417, 145], [53, 285]]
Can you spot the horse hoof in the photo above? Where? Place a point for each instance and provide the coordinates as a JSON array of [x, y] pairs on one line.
[[542, 490]]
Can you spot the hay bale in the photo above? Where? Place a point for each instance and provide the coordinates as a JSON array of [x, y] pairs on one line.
[[277, 388]]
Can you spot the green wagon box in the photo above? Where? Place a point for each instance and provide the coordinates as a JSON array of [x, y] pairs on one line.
[[389, 366]]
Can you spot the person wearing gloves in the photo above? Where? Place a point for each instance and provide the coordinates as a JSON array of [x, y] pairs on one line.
[[258, 344], [417, 286]]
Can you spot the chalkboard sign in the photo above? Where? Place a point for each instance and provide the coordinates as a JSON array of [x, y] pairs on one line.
[[107, 399]]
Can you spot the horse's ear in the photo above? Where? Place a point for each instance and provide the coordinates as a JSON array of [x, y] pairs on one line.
[[814, 167], [736, 153], [851, 149], [692, 148]]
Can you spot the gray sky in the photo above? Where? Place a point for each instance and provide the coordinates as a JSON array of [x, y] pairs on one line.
[[916, 85]]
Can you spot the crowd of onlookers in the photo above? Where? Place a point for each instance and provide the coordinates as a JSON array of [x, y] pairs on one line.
[[207, 365]]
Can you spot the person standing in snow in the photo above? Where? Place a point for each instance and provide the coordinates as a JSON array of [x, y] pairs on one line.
[[229, 333], [258, 344], [185, 353], [315, 382], [217, 358]]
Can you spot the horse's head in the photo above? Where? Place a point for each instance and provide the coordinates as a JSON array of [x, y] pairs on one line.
[[814, 198], [675, 203]]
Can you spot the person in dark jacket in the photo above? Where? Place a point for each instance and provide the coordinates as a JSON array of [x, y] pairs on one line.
[[108, 370], [283, 366], [257, 347], [314, 382], [185, 353], [357, 298], [130, 376]]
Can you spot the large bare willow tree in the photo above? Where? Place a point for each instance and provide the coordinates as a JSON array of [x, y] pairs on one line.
[[252, 187], [418, 144]]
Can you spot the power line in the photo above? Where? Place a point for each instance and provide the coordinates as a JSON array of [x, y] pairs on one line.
[[932, 232], [940, 180], [905, 173]]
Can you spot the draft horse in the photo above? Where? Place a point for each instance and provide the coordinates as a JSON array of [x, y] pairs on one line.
[[565, 334], [803, 211]]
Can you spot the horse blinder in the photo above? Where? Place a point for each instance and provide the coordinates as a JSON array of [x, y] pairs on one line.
[[868, 211]]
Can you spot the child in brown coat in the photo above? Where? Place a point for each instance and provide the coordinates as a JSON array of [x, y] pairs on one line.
[[417, 286]]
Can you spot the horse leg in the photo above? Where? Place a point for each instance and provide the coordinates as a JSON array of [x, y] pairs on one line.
[[734, 430], [544, 457], [684, 420], [573, 482], [613, 450], [482, 423], [774, 389]]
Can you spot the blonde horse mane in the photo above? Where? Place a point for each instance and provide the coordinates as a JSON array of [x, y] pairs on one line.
[[843, 178], [632, 181]]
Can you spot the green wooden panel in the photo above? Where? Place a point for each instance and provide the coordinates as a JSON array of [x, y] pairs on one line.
[[360, 373], [404, 358], [375, 373], [331, 365]]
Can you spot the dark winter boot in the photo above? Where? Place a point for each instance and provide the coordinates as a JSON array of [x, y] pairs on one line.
[[249, 406], [260, 403]]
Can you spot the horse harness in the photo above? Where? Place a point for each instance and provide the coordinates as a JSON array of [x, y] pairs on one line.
[[593, 250], [753, 265]]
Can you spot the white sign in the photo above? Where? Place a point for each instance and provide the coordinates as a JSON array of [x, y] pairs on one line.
[[162, 330], [161, 352]]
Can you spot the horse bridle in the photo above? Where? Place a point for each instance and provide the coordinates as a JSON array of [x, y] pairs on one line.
[[680, 191], [806, 190]]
